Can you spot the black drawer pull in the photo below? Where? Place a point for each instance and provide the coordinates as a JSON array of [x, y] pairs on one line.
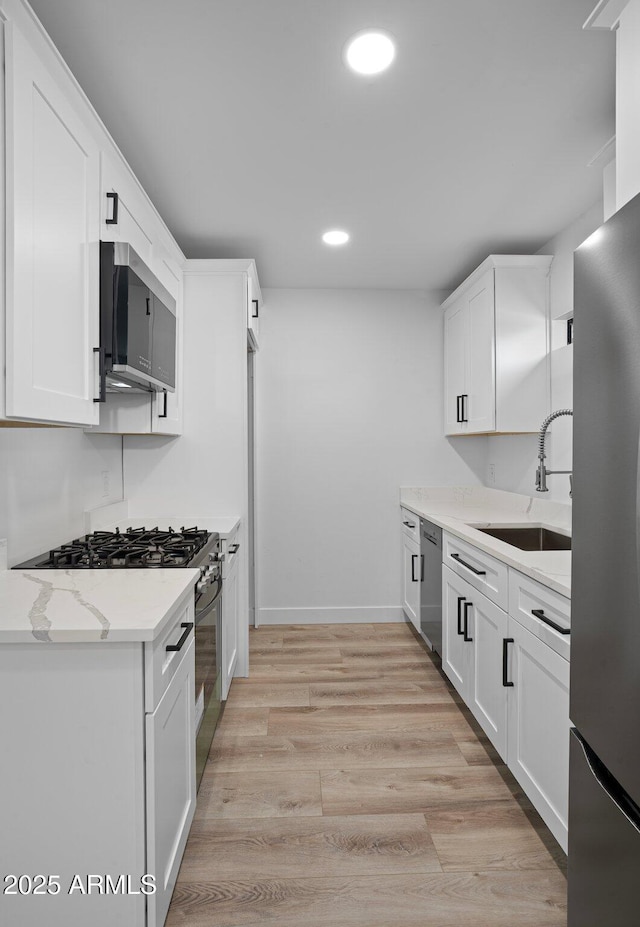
[[468, 565], [461, 599], [114, 215], [538, 613], [234, 548], [188, 628], [408, 524], [465, 630], [505, 653]]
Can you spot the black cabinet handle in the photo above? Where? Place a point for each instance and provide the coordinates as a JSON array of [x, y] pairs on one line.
[[256, 314], [408, 524], [114, 215], [413, 568], [466, 607], [234, 548], [461, 599], [102, 361], [505, 653], [463, 417], [538, 613], [164, 413], [421, 568], [468, 565], [458, 419], [188, 628]]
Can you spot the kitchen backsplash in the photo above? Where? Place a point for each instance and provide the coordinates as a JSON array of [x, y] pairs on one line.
[[50, 476]]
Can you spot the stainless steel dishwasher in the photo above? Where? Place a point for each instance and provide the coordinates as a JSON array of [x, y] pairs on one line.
[[431, 585]]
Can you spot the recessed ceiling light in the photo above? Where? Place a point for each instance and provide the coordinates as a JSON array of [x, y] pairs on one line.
[[370, 52], [335, 237]]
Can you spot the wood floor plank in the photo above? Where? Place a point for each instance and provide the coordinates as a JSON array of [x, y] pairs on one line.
[[477, 749], [253, 721], [258, 794], [269, 694], [346, 634], [488, 835], [295, 847], [295, 655], [494, 899], [378, 692], [354, 749], [432, 717], [336, 672], [380, 791]]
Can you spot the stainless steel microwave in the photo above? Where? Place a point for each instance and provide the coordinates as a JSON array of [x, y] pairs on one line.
[[137, 324]]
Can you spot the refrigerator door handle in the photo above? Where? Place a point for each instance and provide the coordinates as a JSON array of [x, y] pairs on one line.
[[609, 785]]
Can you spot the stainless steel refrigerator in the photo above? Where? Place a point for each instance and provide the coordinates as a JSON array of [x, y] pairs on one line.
[[604, 789]]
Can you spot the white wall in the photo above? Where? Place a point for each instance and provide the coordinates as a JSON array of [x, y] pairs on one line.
[[514, 457], [349, 408], [50, 476]]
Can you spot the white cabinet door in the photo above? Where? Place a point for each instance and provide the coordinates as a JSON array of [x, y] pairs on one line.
[[230, 617], [487, 696], [538, 726], [455, 364], [253, 311], [171, 784], [480, 391], [124, 214], [53, 199], [411, 568], [456, 655]]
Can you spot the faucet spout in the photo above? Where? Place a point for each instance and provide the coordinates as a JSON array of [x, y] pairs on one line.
[[542, 473]]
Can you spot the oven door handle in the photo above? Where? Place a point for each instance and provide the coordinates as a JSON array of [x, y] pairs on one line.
[[203, 614]]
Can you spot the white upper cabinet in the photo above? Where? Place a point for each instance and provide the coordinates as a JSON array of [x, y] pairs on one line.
[[254, 306], [496, 348], [52, 308]]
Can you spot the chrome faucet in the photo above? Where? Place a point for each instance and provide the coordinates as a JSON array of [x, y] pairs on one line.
[[542, 473]]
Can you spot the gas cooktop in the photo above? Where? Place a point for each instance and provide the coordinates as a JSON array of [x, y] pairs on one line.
[[133, 548]]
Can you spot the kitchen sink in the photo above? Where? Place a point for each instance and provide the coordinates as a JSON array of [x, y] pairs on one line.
[[530, 538]]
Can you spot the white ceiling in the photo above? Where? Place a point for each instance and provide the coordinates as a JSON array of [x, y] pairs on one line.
[[252, 137]]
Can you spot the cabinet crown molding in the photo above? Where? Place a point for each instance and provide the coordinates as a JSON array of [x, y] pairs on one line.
[[540, 261], [605, 15]]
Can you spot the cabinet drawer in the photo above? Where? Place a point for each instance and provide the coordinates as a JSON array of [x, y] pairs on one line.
[[160, 664], [410, 524], [482, 571], [527, 596]]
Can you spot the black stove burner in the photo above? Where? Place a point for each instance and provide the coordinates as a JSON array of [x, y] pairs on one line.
[[135, 547]]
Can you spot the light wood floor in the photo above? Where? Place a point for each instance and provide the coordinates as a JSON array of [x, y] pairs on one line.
[[348, 786]]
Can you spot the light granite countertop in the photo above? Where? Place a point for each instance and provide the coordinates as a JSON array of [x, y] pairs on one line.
[[79, 606], [462, 510]]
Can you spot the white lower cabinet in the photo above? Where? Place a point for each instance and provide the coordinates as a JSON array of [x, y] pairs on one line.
[[538, 730], [411, 567], [98, 774], [230, 614], [170, 782], [474, 630], [517, 687]]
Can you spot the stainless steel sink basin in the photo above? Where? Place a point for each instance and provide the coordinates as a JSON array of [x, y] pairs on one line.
[[530, 538]]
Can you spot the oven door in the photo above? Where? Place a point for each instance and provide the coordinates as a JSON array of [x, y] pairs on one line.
[[208, 674]]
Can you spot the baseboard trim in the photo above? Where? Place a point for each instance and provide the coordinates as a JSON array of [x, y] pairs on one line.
[[377, 614]]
